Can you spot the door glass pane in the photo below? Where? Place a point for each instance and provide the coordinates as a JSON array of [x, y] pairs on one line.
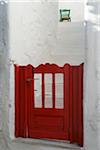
[[48, 90], [59, 81], [37, 90]]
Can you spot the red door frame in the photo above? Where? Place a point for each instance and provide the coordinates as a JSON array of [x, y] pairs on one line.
[[74, 111]]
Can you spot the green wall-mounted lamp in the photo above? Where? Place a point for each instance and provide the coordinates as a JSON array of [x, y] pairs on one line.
[[65, 15]]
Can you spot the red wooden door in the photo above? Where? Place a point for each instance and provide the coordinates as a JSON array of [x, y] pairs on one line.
[[41, 112], [49, 120]]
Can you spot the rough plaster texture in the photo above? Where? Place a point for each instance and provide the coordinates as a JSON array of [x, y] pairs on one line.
[[98, 70], [32, 31], [0, 61], [92, 86], [70, 42], [4, 76]]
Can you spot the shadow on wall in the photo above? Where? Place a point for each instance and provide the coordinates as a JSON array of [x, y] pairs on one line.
[[4, 67]]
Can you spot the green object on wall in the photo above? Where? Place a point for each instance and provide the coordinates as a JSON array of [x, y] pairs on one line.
[[65, 15]]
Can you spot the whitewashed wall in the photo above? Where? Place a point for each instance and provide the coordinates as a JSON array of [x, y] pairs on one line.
[[32, 31], [0, 62], [4, 73], [70, 43], [92, 84], [97, 30]]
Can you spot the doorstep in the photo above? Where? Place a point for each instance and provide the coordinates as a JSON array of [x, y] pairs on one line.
[[46, 142]]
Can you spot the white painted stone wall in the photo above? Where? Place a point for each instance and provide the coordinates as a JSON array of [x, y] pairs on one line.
[[97, 29], [3, 62], [92, 84], [70, 42], [32, 31], [0, 62], [4, 73]]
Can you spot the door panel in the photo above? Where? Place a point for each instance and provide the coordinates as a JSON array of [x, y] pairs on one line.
[[49, 102], [50, 118]]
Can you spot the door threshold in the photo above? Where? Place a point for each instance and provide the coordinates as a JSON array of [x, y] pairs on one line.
[[48, 142]]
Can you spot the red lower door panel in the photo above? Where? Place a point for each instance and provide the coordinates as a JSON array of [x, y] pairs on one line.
[[48, 124]]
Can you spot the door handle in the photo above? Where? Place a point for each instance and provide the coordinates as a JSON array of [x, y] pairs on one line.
[[36, 78], [29, 79]]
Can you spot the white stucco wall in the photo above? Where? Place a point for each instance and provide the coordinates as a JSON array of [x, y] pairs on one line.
[[70, 42], [97, 29], [3, 63], [0, 63], [4, 73], [91, 88], [32, 31]]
